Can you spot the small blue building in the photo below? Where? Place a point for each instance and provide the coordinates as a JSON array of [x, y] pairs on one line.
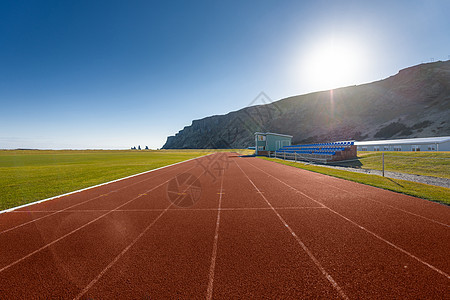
[[269, 141]]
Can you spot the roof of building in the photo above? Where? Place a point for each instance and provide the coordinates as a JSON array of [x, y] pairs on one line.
[[414, 141], [271, 133]]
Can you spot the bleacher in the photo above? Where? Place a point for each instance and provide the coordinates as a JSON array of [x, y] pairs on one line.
[[321, 152]]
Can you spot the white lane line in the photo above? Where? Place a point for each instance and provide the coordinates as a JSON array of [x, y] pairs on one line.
[[209, 291], [254, 208], [125, 250], [79, 228], [182, 209], [80, 203], [310, 254], [367, 230], [101, 184], [397, 208]]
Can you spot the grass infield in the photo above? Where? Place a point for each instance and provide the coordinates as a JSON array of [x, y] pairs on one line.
[[424, 191], [30, 175]]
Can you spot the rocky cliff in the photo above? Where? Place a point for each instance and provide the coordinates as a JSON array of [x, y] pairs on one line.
[[413, 103]]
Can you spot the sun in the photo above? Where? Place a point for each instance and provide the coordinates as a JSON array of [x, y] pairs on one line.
[[333, 63]]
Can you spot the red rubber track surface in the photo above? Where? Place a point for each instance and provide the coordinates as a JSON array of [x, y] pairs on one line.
[[256, 230]]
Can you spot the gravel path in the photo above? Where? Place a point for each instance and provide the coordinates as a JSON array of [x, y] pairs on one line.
[[437, 181]]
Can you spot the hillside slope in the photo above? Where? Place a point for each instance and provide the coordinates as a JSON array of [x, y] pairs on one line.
[[413, 103]]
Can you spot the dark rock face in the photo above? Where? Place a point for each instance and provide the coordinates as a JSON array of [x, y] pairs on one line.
[[413, 103]]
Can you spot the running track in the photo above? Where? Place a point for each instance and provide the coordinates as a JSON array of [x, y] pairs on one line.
[[258, 230]]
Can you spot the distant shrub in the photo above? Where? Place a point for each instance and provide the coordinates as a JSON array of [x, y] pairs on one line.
[[422, 125], [407, 131], [392, 129]]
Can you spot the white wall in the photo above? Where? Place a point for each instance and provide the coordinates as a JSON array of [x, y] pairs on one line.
[[444, 146], [407, 147]]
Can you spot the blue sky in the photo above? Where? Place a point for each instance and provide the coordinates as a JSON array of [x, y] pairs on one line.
[[115, 74]]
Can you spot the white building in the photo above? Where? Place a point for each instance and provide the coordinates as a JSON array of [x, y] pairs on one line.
[[416, 144]]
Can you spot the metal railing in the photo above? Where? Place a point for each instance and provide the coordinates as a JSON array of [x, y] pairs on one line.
[[323, 158]]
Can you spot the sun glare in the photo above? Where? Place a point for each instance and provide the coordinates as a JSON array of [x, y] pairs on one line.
[[333, 64]]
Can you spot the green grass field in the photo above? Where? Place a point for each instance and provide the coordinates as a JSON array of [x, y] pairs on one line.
[[425, 191], [421, 163], [31, 175]]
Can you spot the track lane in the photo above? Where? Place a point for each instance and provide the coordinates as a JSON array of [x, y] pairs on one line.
[[325, 274], [365, 242], [413, 234], [236, 191], [212, 266], [364, 267], [432, 211], [69, 234], [257, 258], [171, 260], [177, 246], [439, 214], [62, 269]]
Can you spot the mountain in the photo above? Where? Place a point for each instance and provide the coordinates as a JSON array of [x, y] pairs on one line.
[[413, 103]]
